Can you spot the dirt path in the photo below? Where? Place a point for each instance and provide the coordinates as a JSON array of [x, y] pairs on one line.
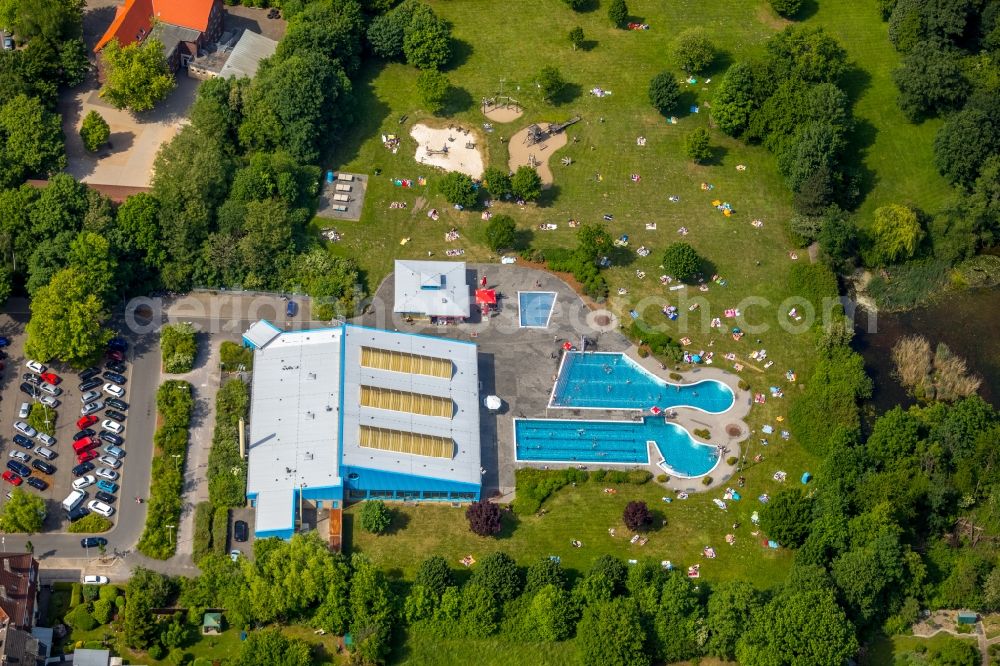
[[521, 154]]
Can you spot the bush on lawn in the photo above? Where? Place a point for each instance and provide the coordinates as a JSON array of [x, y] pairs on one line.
[[226, 469], [732, 460], [174, 401], [662, 478], [704, 433], [220, 531], [178, 348], [202, 531], [91, 593], [375, 516], [42, 419], [104, 610], [484, 518], [80, 618], [637, 516], [91, 524], [109, 592], [661, 344], [235, 356], [533, 486]]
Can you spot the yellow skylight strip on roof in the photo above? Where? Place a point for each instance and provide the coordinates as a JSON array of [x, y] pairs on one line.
[[403, 401], [411, 443], [414, 364]]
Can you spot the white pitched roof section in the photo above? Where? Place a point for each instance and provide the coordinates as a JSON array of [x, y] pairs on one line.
[[433, 288], [462, 388], [294, 421], [261, 333]]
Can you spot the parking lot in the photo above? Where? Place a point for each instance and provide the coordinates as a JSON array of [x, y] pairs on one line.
[[133, 471]]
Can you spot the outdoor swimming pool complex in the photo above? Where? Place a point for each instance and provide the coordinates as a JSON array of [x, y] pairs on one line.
[[613, 442], [601, 380], [535, 308]]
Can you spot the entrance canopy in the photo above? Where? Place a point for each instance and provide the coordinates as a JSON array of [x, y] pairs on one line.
[[486, 296]]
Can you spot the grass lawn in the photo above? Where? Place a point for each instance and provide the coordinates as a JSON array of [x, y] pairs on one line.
[[903, 649]]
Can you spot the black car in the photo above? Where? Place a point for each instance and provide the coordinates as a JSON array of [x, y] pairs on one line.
[[93, 542], [86, 432], [115, 377], [116, 366], [35, 482], [43, 467], [32, 378], [21, 440], [78, 513], [83, 468], [111, 438], [241, 531], [89, 372], [117, 416], [107, 498], [118, 344], [18, 468], [90, 384], [117, 403], [31, 390]]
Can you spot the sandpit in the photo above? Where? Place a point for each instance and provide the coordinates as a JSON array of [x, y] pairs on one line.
[[521, 153], [462, 154], [503, 113]]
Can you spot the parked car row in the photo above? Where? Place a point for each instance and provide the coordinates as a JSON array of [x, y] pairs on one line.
[[99, 440]]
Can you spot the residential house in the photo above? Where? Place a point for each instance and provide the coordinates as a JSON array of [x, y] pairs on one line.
[[18, 590], [183, 26]]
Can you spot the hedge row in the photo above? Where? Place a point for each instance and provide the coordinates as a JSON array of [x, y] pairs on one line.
[[534, 486], [220, 530], [202, 530], [178, 348], [174, 401], [235, 357], [227, 471]]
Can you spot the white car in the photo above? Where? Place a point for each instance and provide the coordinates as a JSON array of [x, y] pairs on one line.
[[49, 401], [20, 455], [110, 461], [25, 409], [34, 366], [47, 440], [113, 426], [114, 390], [105, 473], [100, 507], [95, 580], [89, 396], [84, 482], [25, 429]]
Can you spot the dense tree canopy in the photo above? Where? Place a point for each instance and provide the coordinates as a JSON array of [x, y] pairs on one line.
[[664, 92], [930, 81], [22, 513], [681, 261], [137, 77], [694, 50], [66, 320], [31, 140]]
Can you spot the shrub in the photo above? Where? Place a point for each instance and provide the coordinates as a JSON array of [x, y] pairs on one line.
[[91, 593], [94, 131], [80, 618], [484, 518], [576, 37], [90, 524], [787, 8], [104, 610], [676, 376], [696, 145], [662, 478], [434, 88], [501, 231], [178, 348], [235, 356], [550, 83], [744, 385], [681, 261], [42, 419], [638, 477], [156, 651], [534, 486], [661, 344], [703, 433], [220, 530], [637, 516], [526, 183], [202, 531], [706, 480], [75, 595], [109, 592], [226, 469], [497, 181], [693, 50], [618, 13], [664, 92], [459, 189], [375, 516], [732, 460], [643, 352]]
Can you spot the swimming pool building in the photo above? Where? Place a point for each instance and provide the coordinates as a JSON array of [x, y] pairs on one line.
[[438, 289], [349, 413]]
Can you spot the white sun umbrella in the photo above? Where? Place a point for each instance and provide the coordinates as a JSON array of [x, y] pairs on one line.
[[493, 402]]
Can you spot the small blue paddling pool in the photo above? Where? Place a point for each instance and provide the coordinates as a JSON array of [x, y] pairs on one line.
[[535, 308]]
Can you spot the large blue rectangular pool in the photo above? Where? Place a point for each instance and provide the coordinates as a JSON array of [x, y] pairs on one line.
[[601, 380], [613, 442]]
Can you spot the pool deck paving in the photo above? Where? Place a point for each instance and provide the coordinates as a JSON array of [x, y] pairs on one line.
[[520, 366]]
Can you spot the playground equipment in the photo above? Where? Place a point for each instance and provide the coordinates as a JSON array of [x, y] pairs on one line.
[[500, 102], [532, 162], [534, 135], [555, 129], [431, 151], [566, 161]]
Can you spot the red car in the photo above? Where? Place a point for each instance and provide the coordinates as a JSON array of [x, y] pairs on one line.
[[12, 478], [116, 355], [51, 378], [86, 421], [86, 456]]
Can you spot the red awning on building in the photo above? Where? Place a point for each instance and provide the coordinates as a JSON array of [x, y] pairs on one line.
[[486, 296]]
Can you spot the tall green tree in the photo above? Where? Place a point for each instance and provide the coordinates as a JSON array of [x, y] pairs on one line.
[[94, 131], [930, 81], [269, 647], [137, 77], [612, 633], [23, 513], [576, 37], [526, 183], [735, 100], [434, 88], [693, 50], [551, 83], [808, 53], [664, 92], [696, 145], [551, 615], [501, 232], [618, 13], [31, 141], [731, 607], [67, 321], [426, 39], [896, 234]]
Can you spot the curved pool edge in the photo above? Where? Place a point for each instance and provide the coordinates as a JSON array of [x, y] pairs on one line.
[[670, 471]]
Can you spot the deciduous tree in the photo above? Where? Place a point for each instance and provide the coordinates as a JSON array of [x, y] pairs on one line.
[[375, 516], [458, 188], [94, 131], [735, 100], [896, 234], [31, 141], [576, 37], [551, 615], [66, 320], [434, 574], [637, 516], [550, 83], [681, 261], [427, 39], [501, 232], [137, 77], [664, 92], [497, 181], [693, 50], [696, 145], [434, 88], [500, 575], [731, 607], [787, 8], [612, 633], [618, 13], [930, 81], [526, 183], [786, 518], [22, 513], [269, 647]]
